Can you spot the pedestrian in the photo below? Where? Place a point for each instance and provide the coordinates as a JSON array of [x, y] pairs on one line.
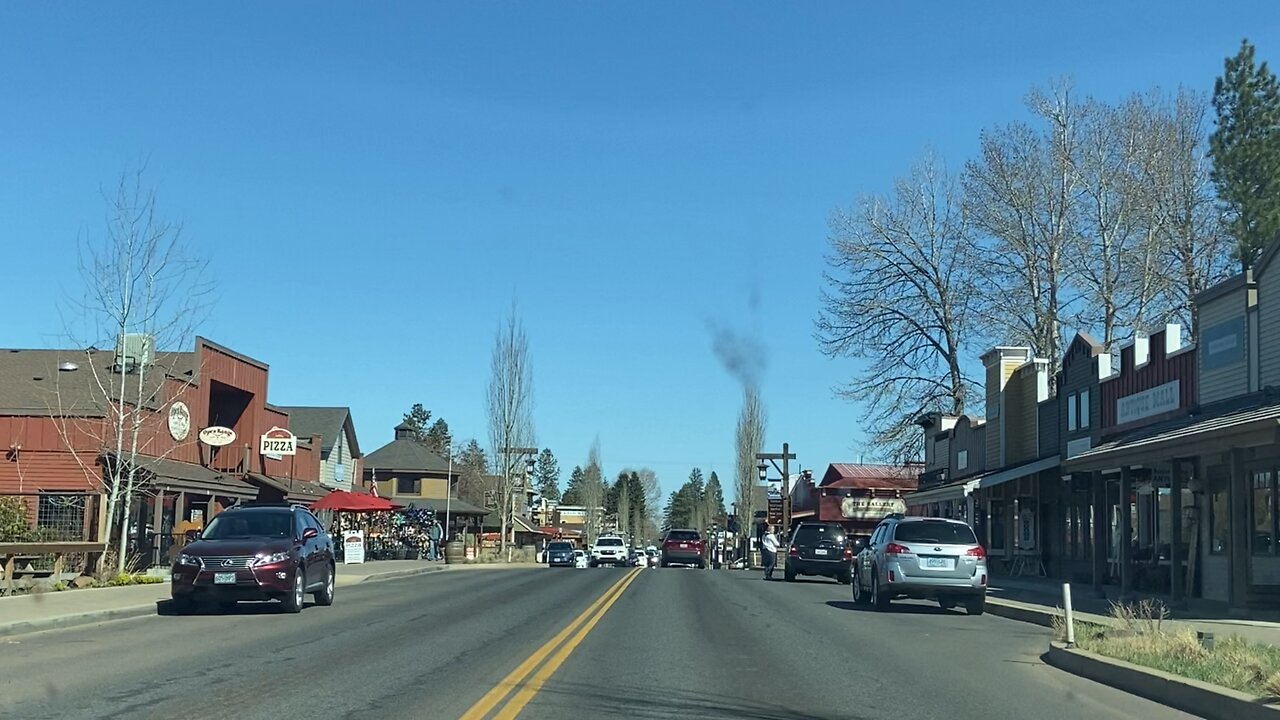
[[769, 548], [434, 532]]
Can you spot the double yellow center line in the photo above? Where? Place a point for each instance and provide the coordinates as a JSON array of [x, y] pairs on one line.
[[524, 681]]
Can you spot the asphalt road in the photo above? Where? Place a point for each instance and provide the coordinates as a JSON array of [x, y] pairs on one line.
[[665, 643]]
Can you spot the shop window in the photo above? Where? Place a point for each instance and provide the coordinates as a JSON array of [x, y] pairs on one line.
[[408, 486], [61, 517], [1071, 412], [1262, 509], [1083, 413], [1219, 515], [962, 460], [996, 524]]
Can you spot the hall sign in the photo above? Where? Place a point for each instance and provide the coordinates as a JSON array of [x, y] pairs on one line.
[[278, 442], [217, 436], [1159, 399], [866, 508]]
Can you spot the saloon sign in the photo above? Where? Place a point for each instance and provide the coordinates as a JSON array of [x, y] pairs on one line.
[[278, 442], [867, 508], [217, 436], [179, 421]]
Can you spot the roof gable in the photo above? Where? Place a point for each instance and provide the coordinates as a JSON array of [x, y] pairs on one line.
[[327, 422], [406, 454]]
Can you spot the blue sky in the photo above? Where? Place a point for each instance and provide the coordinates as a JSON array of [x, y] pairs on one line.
[[374, 183]]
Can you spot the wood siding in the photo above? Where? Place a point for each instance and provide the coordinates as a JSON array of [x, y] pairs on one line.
[[1079, 373], [1268, 337], [339, 456], [36, 471], [1159, 369], [1233, 379], [1049, 431], [966, 436], [1021, 411]]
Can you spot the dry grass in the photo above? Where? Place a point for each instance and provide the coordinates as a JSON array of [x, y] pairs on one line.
[[1142, 634]]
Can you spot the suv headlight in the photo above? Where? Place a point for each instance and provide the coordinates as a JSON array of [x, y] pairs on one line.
[[185, 559], [272, 558]]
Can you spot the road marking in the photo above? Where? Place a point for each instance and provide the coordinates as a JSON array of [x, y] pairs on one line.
[[500, 691], [531, 688]]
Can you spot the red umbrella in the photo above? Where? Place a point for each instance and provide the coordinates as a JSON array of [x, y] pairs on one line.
[[343, 501]]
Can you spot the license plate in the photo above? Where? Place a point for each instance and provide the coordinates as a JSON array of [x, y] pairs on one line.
[[684, 546], [819, 551], [937, 563], [224, 578]]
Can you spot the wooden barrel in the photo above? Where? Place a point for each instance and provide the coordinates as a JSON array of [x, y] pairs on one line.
[[454, 553]]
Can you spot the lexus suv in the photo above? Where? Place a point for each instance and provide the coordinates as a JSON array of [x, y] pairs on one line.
[[609, 550], [256, 552], [917, 557], [683, 547], [819, 548]]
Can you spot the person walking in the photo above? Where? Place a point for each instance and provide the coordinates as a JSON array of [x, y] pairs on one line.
[[769, 548], [434, 533]]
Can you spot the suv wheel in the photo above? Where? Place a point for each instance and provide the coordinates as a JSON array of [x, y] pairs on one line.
[[975, 606], [878, 599], [324, 596], [859, 595], [183, 604], [294, 600]]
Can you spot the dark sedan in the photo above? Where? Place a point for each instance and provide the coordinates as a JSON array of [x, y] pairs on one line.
[[560, 554], [819, 548]]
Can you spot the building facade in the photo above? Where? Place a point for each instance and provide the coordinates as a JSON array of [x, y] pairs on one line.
[[340, 458]]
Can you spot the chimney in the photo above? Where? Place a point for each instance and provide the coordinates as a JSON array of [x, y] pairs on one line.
[[1141, 349]]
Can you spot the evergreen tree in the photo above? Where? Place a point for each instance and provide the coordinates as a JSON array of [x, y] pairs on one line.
[[714, 497], [1245, 148], [417, 419], [547, 475], [437, 437], [471, 464], [573, 491]]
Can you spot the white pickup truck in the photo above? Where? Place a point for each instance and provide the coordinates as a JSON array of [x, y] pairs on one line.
[[609, 550]]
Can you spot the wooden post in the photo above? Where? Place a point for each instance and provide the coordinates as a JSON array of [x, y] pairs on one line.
[[1098, 485], [1175, 531], [1126, 533]]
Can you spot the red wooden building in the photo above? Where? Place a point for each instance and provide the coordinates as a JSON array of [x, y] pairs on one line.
[[61, 430], [857, 496]]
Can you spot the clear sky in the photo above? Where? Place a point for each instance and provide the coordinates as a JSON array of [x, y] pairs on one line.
[[375, 182]]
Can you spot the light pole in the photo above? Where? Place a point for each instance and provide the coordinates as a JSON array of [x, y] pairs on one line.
[[785, 456], [448, 490]]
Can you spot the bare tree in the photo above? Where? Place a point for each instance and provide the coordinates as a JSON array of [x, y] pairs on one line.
[[1022, 193], [899, 295], [509, 406], [145, 294], [593, 490], [1195, 245], [748, 440]]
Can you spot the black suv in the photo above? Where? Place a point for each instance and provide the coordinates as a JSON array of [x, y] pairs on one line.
[[819, 548], [257, 552]]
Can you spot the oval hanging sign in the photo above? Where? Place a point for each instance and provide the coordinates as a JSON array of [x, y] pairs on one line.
[[179, 421], [217, 436]]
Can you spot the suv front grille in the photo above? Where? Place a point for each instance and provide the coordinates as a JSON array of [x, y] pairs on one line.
[[228, 562]]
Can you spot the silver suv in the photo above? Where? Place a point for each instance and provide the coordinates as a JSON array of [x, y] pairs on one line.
[[924, 558]]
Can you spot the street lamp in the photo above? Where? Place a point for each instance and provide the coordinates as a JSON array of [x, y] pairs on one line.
[[448, 488], [764, 472]]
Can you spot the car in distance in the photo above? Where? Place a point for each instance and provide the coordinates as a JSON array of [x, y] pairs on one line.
[[651, 556], [923, 558], [609, 550], [560, 554], [256, 552], [683, 547], [819, 548], [579, 558]]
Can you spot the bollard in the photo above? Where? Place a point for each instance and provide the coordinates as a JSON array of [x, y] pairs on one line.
[[1206, 640], [1070, 616]]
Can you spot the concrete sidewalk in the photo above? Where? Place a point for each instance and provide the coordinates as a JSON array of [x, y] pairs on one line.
[[1037, 600], [48, 610]]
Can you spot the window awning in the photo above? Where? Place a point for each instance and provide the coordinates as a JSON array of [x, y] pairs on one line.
[[957, 490], [999, 477]]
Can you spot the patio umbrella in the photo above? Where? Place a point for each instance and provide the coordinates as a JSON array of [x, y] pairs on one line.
[[343, 501]]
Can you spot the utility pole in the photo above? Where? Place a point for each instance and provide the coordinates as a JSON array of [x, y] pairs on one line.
[[785, 456]]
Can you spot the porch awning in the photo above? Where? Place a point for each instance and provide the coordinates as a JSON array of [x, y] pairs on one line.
[[176, 476], [456, 506], [1250, 421], [1000, 477], [299, 491], [957, 490]]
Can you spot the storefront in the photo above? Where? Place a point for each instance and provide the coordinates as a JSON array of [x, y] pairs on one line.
[[858, 496]]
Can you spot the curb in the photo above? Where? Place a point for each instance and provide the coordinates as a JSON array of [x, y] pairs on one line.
[[394, 574], [1043, 617], [85, 618], [1190, 696]]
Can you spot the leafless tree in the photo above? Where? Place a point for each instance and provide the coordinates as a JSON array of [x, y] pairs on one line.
[[899, 295], [509, 406], [748, 440], [142, 287], [1022, 194], [1195, 247], [593, 490]]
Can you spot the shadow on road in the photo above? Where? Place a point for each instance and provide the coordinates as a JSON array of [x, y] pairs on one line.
[[165, 608], [899, 608], [638, 702]]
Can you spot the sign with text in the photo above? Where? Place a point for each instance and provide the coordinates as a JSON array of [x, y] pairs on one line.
[[278, 442], [353, 547], [217, 436], [868, 508], [1079, 445], [774, 516], [1159, 399]]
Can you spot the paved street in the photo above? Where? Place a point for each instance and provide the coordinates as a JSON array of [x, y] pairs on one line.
[[673, 643]]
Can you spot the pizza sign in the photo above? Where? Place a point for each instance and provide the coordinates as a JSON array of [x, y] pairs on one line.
[[278, 442]]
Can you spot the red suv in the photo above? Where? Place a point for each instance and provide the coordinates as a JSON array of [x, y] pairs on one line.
[[256, 552], [683, 547]]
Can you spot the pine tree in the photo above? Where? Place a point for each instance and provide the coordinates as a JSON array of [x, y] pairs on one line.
[[471, 464], [573, 491], [714, 496], [547, 476], [1245, 149], [417, 419], [437, 437]]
